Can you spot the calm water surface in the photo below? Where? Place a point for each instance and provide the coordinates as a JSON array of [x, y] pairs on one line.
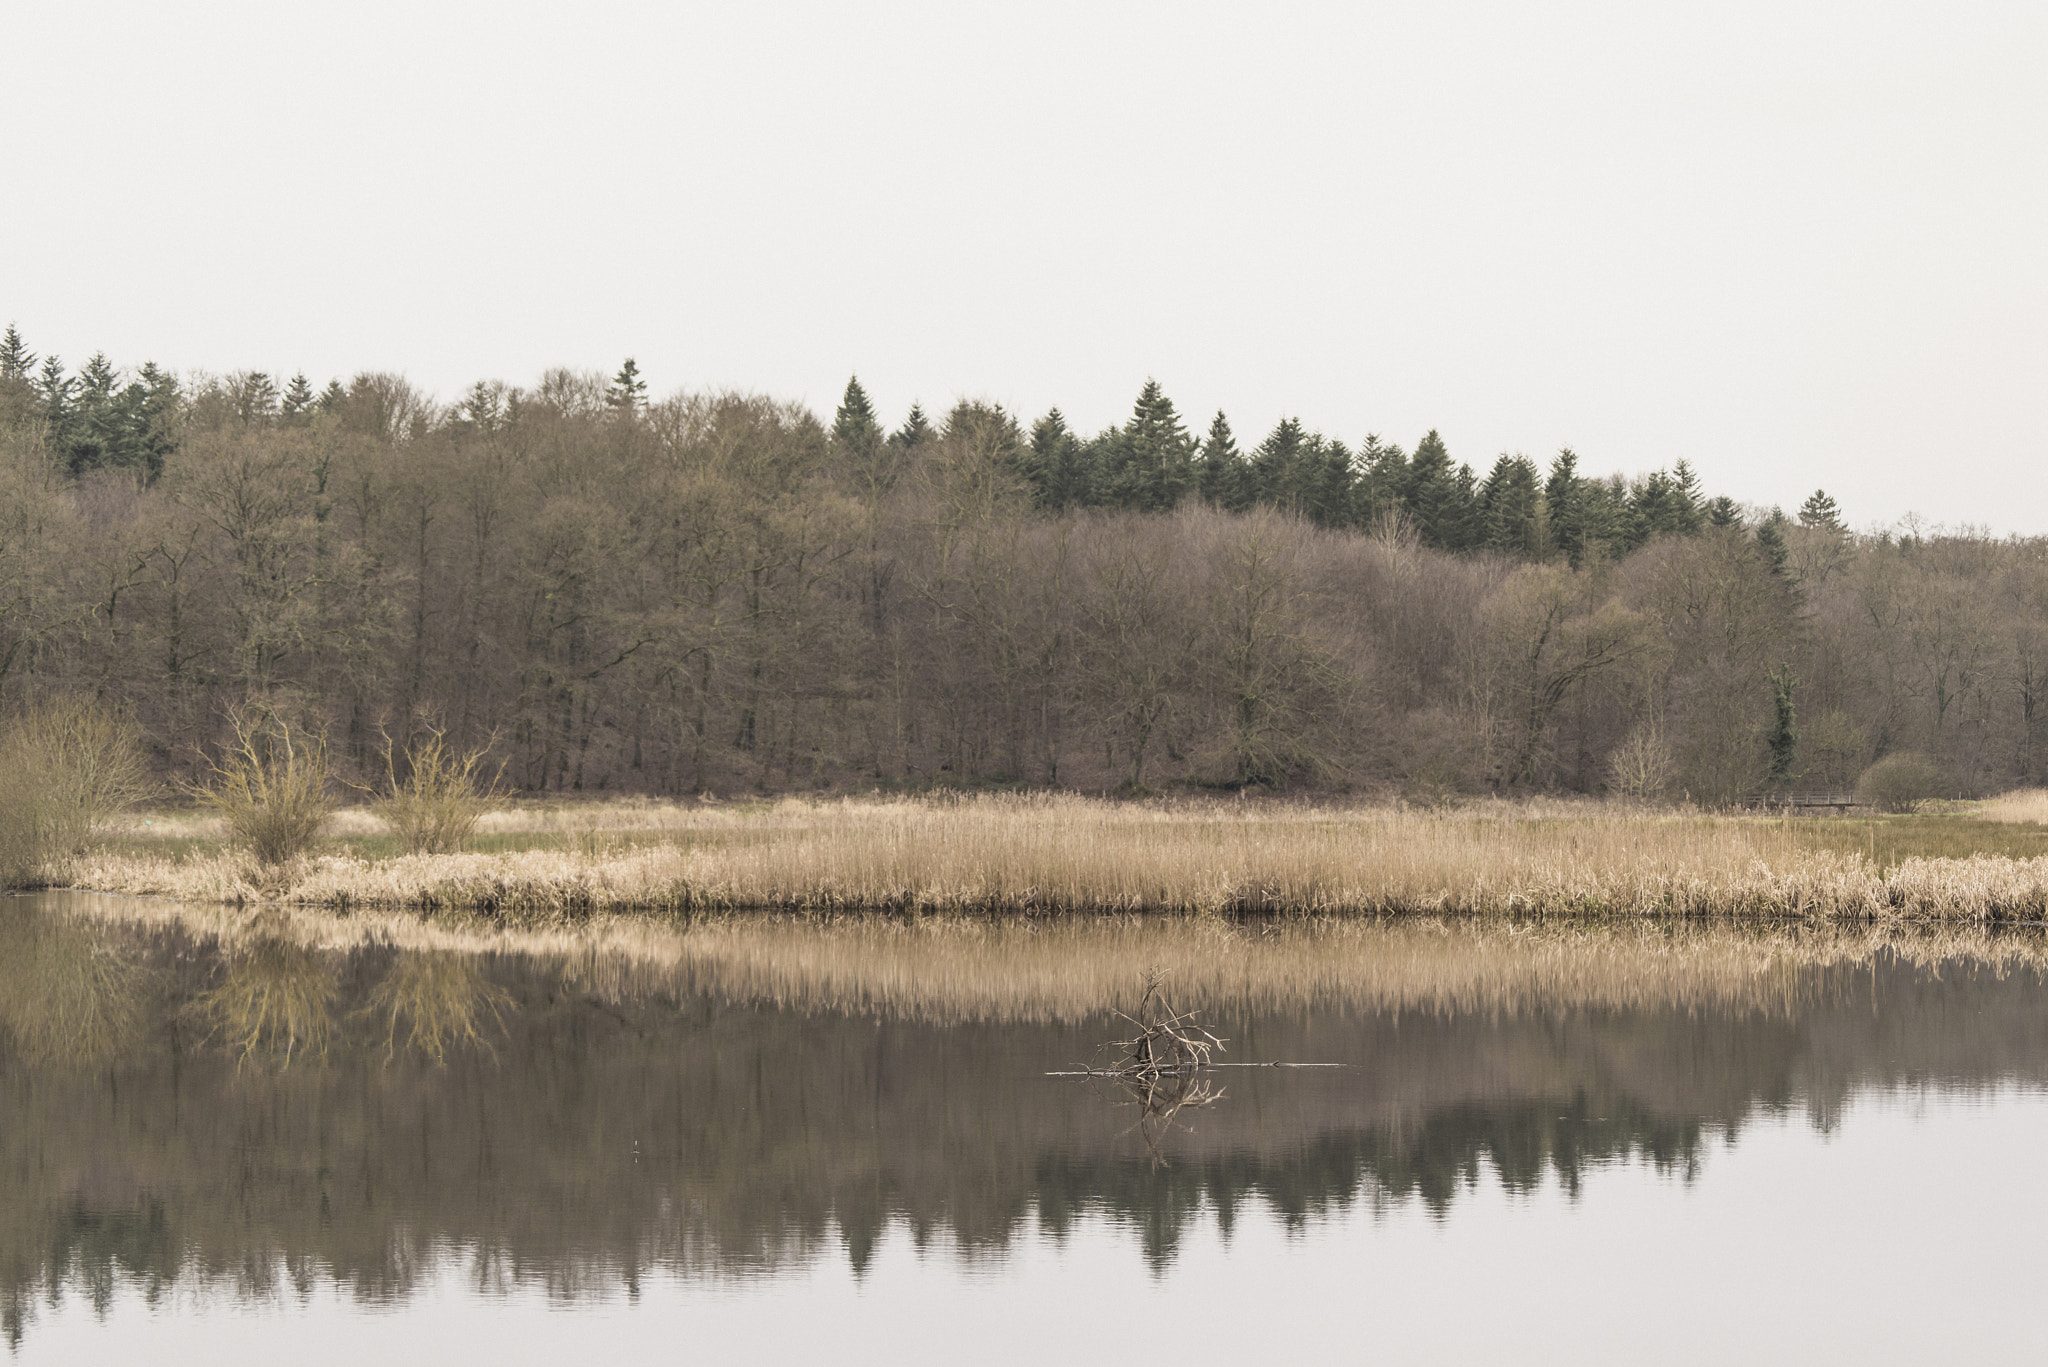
[[267, 1153]]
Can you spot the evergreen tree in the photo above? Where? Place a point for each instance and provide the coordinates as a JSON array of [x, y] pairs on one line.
[[1511, 508], [1275, 472], [1564, 501], [628, 392], [333, 397], [54, 388], [1771, 541], [298, 401], [1820, 513], [1056, 465], [1221, 479], [1722, 512], [915, 432], [854, 428], [17, 362], [1329, 492], [1382, 478], [1151, 462], [255, 398], [857, 436], [1432, 495], [156, 407], [1688, 500]]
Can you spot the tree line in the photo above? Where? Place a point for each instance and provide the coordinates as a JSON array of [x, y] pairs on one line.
[[726, 593]]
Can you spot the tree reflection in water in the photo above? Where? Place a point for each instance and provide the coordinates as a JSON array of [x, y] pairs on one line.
[[532, 1122]]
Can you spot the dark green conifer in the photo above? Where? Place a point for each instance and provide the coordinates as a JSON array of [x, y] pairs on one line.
[[1510, 505], [1564, 501], [915, 432], [1221, 480], [1820, 513], [1056, 464], [628, 392], [1722, 512], [17, 362], [1151, 462], [298, 400]]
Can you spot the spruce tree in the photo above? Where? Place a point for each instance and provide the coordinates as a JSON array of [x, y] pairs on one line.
[[1055, 463], [1820, 513], [1564, 500], [1435, 496], [628, 392], [17, 362], [1274, 473], [298, 400], [1688, 499], [1152, 459], [858, 438], [333, 397], [1221, 479], [1722, 512], [915, 432], [1383, 476], [1509, 507], [1329, 489], [1771, 542]]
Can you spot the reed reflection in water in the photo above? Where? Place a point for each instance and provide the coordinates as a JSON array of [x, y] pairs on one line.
[[289, 1102]]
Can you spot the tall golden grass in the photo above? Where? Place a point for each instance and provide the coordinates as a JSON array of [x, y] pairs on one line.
[[954, 969], [1066, 854], [2025, 806]]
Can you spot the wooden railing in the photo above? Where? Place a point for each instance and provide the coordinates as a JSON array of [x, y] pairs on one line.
[[1814, 799]]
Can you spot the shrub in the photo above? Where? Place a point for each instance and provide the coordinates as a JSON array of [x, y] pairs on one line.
[[1896, 782], [271, 785], [435, 807], [67, 766]]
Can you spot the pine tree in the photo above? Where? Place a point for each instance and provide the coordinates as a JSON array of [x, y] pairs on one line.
[[1688, 499], [1274, 473], [1220, 478], [333, 397], [17, 362], [482, 406], [1152, 459], [854, 427], [298, 400], [1436, 495], [628, 392], [1722, 512], [1330, 492], [1771, 541], [1383, 475], [1055, 463], [1564, 500], [915, 432], [1820, 513], [1510, 503]]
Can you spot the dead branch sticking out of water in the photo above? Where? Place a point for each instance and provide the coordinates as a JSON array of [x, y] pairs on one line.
[[1168, 1042], [1160, 1071]]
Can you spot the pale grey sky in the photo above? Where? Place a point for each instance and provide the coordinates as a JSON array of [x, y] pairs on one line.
[[1799, 244]]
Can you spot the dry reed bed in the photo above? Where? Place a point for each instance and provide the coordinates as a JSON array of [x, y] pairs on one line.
[[1060, 853], [952, 969]]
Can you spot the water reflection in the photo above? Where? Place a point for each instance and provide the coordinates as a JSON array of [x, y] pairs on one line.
[[267, 1115]]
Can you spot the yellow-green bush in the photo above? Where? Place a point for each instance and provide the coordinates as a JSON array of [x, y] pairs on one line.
[[67, 765]]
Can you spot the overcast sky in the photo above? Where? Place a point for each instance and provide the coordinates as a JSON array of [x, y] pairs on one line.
[[1801, 245]]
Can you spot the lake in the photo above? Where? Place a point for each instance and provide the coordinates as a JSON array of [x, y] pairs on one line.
[[1683, 1144]]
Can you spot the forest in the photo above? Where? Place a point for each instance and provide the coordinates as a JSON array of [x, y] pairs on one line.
[[723, 593]]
